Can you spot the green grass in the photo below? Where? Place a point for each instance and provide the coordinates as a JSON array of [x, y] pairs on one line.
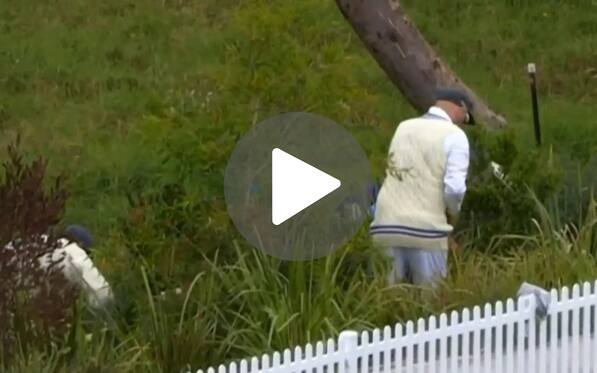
[[140, 103]]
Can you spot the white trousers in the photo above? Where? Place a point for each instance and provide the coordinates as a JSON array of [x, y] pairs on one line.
[[418, 266]]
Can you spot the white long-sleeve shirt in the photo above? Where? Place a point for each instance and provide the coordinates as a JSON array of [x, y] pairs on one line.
[[456, 148], [79, 270]]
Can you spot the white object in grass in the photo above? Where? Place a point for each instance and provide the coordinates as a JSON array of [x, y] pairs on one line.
[[542, 298], [497, 170]]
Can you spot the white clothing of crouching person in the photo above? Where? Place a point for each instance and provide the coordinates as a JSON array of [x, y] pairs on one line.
[[72, 258]]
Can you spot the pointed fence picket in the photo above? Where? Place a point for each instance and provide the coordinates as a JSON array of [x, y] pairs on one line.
[[501, 337]]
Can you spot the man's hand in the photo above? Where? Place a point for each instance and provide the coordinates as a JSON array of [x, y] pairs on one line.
[[453, 245], [452, 219]]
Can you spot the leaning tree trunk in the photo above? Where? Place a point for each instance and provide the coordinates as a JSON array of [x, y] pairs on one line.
[[406, 57]]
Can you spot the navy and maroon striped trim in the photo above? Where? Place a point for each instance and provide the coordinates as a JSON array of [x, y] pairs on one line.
[[408, 231]]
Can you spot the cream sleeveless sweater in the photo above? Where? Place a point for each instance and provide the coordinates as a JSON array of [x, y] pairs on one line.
[[411, 211]]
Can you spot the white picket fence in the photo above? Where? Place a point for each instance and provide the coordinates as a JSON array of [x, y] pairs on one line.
[[503, 337]]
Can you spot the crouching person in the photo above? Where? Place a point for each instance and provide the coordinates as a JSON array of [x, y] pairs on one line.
[[79, 269], [71, 256]]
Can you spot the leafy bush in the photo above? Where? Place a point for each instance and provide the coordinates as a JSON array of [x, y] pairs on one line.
[[493, 206], [26, 208], [177, 214], [35, 303]]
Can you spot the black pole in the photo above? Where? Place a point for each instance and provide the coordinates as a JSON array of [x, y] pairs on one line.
[[532, 74]]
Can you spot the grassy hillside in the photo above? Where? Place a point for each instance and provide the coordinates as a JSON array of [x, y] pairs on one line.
[[140, 103], [83, 82]]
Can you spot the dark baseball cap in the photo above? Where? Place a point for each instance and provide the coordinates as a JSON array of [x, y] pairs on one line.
[[79, 234], [456, 96]]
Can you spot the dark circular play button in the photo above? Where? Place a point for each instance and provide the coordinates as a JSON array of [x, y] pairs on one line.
[[296, 186]]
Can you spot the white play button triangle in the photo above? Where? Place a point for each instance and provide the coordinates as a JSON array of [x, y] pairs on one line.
[[296, 185]]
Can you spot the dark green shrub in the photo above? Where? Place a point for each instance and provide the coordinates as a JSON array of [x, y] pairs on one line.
[[495, 207], [177, 215]]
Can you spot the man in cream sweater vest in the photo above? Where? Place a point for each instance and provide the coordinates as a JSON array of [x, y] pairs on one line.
[[423, 190]]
